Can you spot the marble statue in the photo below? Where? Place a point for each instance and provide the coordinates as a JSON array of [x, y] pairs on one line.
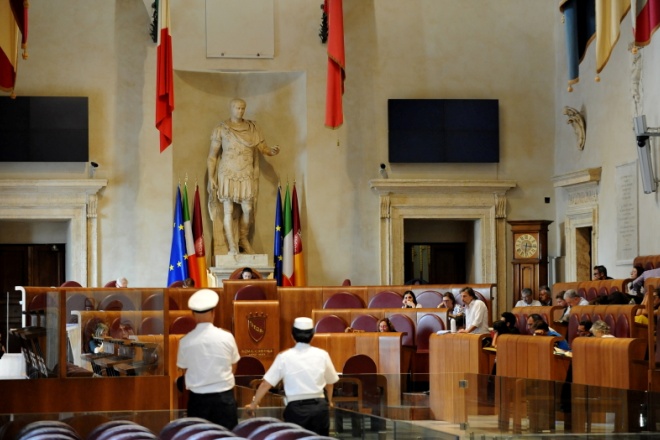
[[233, 173]]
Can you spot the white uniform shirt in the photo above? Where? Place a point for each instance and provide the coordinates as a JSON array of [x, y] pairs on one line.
[[207, 353], [476, 313], [305, 370], [522, 303]]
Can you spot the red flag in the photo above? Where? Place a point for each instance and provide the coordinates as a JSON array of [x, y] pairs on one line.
[[13, 18], [20, 10], [646, 20], [299, 278], [334, 112], [198, 235], [164, 77]]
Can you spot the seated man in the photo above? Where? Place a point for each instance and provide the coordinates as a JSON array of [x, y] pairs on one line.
[[545, 296], [476, 313], [572, 299], [584, 329], [541, 329], [527, 299]]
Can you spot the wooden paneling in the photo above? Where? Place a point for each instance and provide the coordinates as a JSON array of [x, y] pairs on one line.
[[257, 329], [147, 393]]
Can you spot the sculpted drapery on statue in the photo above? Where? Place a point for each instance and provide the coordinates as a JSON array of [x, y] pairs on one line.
[[233, 173]]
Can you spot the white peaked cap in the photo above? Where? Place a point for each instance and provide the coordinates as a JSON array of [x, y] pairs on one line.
[[203, 300], [303, 323]]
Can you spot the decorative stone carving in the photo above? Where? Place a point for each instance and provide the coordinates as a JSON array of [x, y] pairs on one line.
[[576, 119]]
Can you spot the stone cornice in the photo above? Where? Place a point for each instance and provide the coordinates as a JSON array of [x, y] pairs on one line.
[[577, 177], [436, 186]]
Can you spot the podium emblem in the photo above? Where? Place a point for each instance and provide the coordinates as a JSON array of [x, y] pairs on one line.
[[257, 325]]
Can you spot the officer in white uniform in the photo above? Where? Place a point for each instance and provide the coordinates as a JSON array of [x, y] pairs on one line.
[[208, 356], [306, 372]]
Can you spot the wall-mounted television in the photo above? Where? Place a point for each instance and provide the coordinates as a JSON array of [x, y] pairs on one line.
[[443, 130], [44, 129]]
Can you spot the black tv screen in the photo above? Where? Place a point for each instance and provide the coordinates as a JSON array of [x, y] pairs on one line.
[[443, 130], [44, 129]]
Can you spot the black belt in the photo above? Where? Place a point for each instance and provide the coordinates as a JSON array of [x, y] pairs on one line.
[[306, 401], [212, 394]]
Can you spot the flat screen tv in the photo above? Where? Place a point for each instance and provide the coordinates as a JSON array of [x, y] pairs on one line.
[[44, 129], [443, 130]]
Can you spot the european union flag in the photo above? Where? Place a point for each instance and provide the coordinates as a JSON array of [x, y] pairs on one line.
[[278, 240], [178, 270]]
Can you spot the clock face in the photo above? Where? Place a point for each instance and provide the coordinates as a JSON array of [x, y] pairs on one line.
[[526, 246]]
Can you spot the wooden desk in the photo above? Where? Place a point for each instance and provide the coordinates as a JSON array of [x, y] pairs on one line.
[[529, 378], [383, 348], [459, 373]]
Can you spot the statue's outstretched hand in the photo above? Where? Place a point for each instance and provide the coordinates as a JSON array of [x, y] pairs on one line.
[[274, 150]]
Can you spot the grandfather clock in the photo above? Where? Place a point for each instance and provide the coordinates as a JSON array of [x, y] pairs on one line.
[[530, 255]]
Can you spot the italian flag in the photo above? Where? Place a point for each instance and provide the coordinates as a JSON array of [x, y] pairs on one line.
[[190, 243], [287, 246]]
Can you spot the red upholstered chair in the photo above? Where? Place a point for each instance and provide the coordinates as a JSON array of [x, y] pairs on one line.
[[111, 283], [71, 284], [426, 326], [178, 283], [346, 282], [429, 299], [236, 275], [248, 368], [265, 430], [182, 325], [187, 432], [116, 301], [168, 431], [249, 293], [246, 427], [102, 428], [386, 299], [330, 324], [403, 323], [621, 328], [155, 302], [343, 300], [151, 325], [289, 434], [367, 323], [122, 328], [74, 301]]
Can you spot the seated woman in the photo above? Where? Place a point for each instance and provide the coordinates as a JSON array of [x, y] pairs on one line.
[[635, 273], [454, 311], [410, 301], [95, 345], [247, 274], [385, 325], [600, 329], [642, 315]]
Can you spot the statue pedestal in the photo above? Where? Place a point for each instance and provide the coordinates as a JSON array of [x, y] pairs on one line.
[[225, 265]]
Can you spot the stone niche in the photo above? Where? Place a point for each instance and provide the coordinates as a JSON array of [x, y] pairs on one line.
[[480, 201], [73, 201]]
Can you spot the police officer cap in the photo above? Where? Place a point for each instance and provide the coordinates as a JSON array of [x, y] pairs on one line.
[[203, 300], [303, 324]]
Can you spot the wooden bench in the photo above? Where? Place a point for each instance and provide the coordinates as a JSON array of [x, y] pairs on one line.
[[620, 318], [609, 376], [547, 312], [590, 290]]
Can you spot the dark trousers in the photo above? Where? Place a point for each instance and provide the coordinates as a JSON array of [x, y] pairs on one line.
[[219, 408], [311, 414]]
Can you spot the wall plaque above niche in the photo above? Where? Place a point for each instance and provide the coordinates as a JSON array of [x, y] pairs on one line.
[[240, 29]]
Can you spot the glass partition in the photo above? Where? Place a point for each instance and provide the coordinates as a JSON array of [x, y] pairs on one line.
[[107, 332]]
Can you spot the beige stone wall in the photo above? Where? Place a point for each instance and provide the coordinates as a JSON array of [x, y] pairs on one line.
[[394, 49]]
